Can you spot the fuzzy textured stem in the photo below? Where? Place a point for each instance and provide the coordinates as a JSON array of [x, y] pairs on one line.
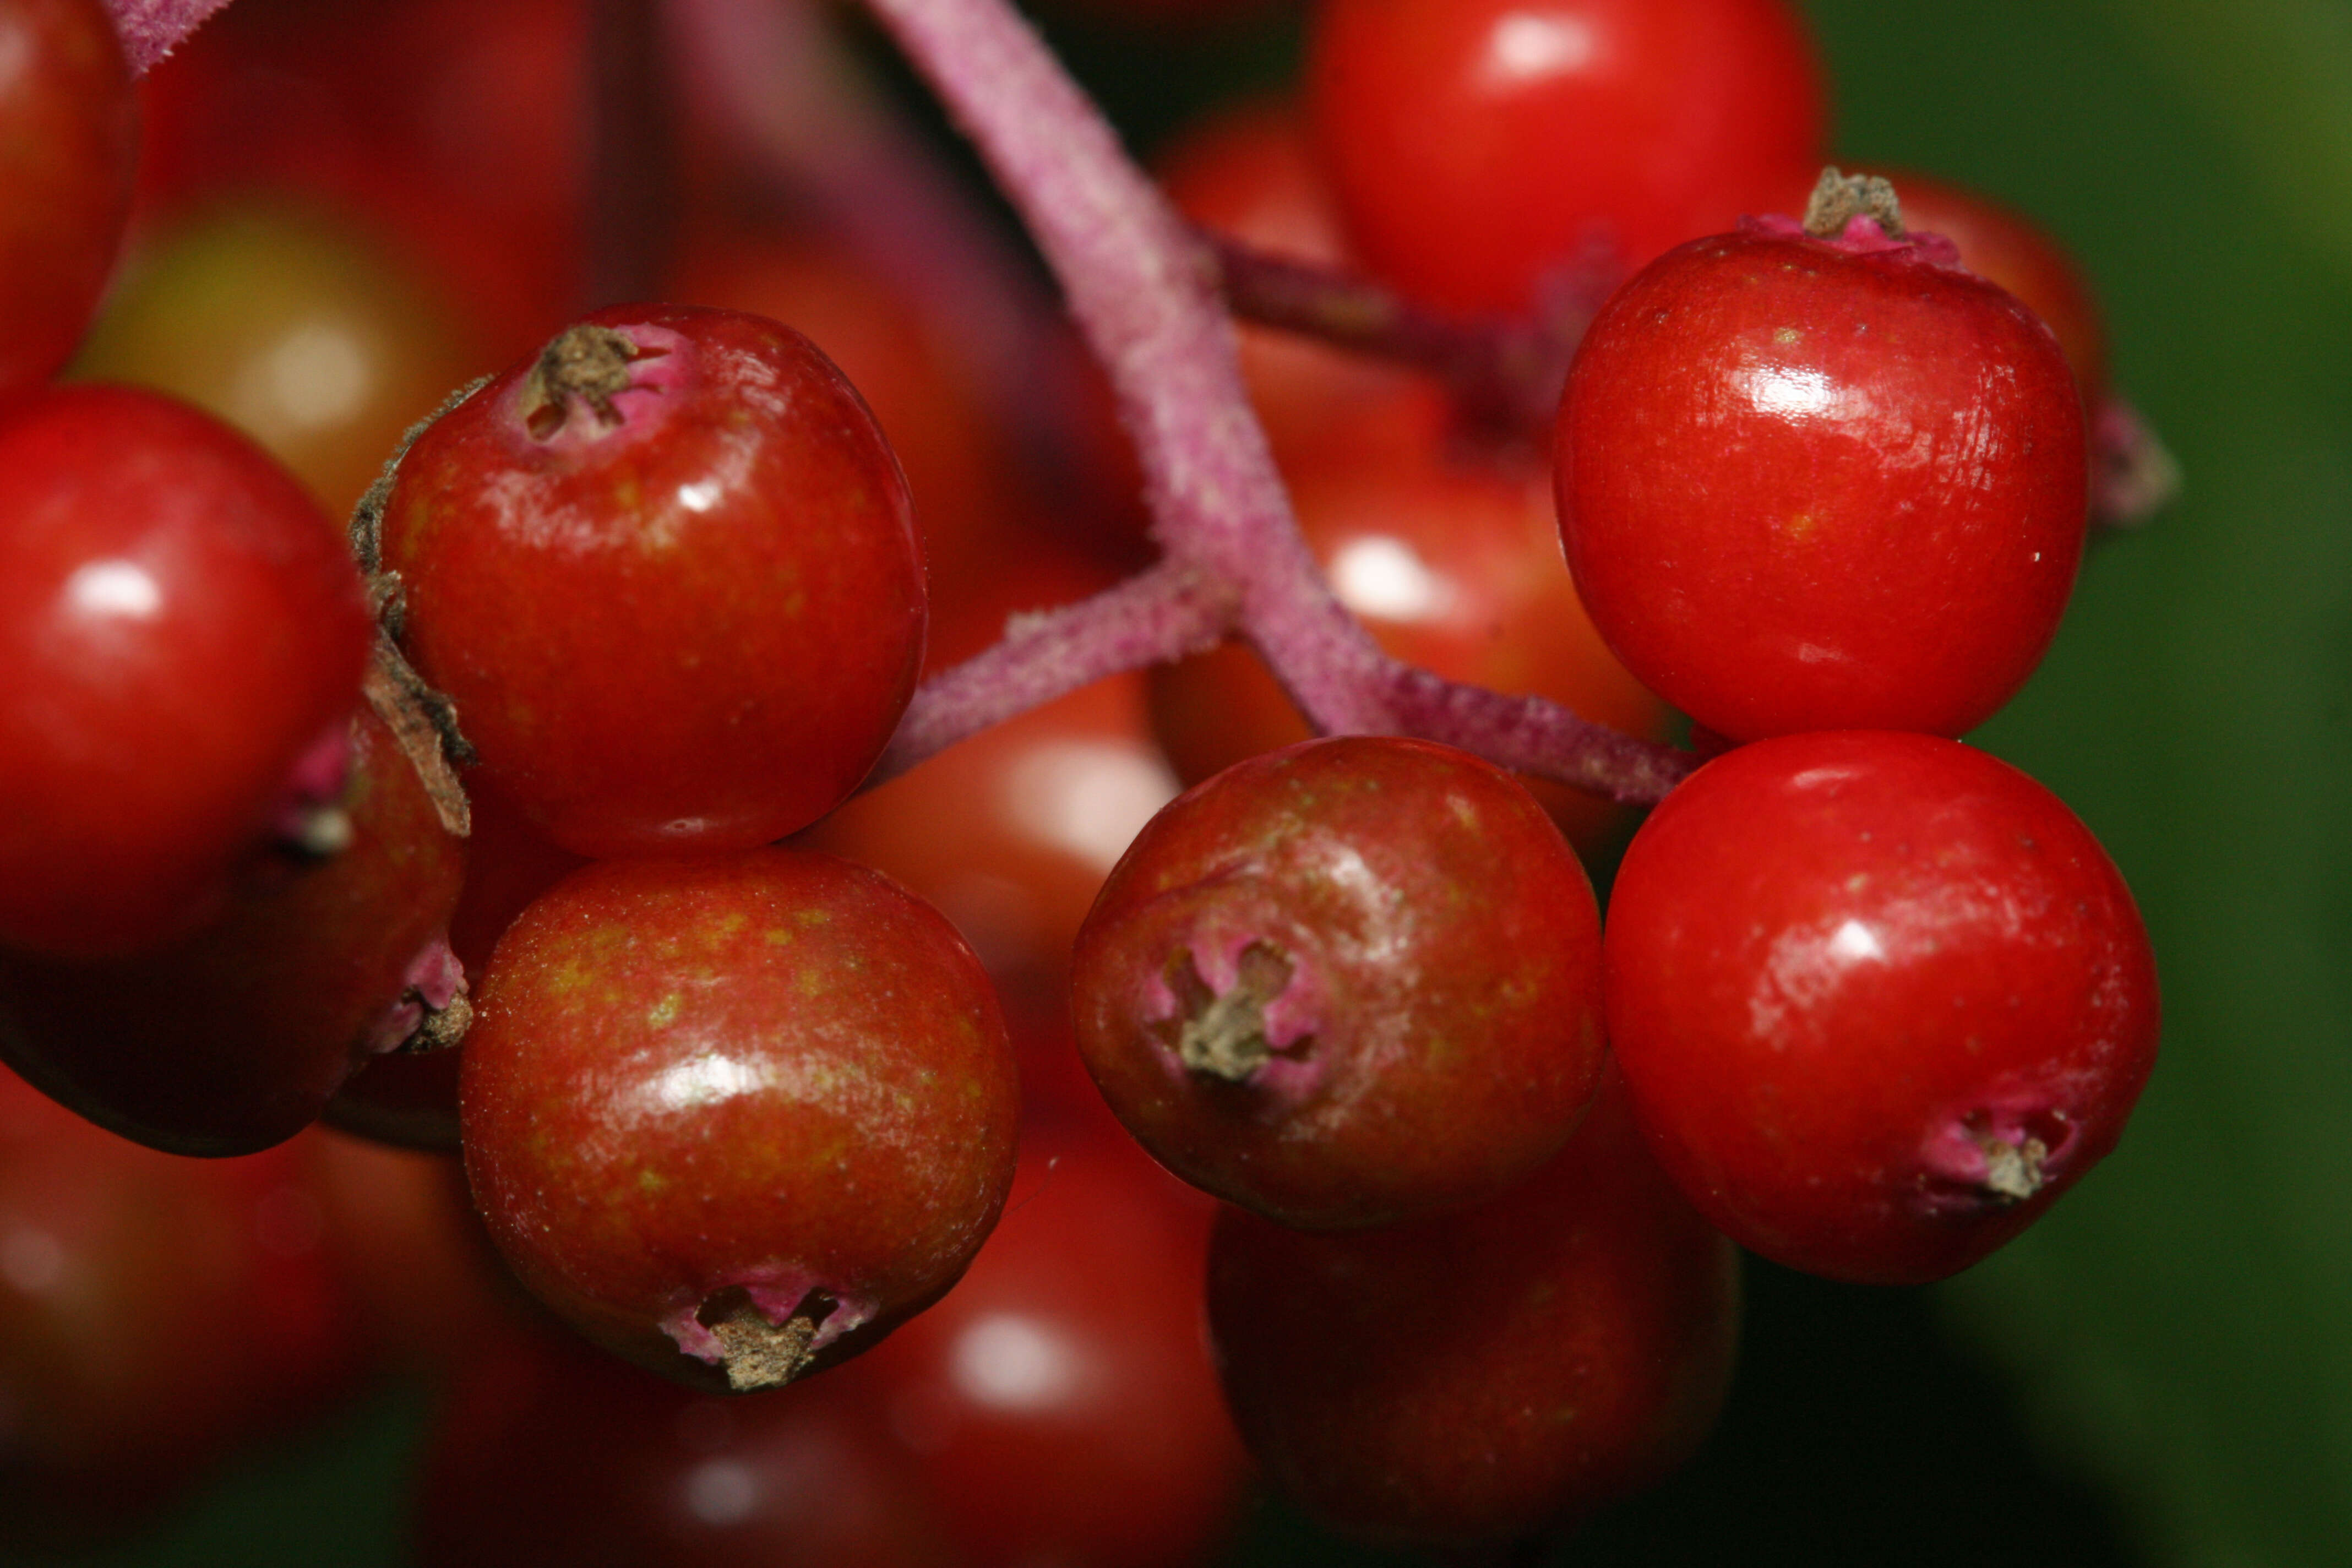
[[1163, 614], [153, 28], [1143, 287], [1507, 373]]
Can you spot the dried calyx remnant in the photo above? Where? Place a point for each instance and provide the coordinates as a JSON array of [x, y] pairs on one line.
[[756, 1352], [1838, 199], [1224, 1036], [583, 363], [2013, 1171]]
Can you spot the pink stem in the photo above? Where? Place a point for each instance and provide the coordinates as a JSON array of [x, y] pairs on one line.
[[153, 28], [1144, 289], [1163, 614]]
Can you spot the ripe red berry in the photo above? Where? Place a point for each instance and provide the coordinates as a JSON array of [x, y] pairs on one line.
[[1880, 999], [181, 628], [68, 137], [1808, 484], [1346, 982], [1060, 1403], [668, 572], [746, 1111], [547, 1455], [155, 1314], [1483, 150], [233, 1038], [1490, 1374]]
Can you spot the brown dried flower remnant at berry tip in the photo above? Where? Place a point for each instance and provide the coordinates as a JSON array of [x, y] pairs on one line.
[[1838, 199], [1224, 1037], [585, 364]]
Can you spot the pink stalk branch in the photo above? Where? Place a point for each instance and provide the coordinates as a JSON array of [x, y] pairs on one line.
[[1144, 289], [1506, 373], [153, 28], [1163, 614]]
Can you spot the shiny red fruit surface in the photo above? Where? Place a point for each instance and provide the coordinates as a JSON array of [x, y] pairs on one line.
[[1880, 998], [234, 1038], [743, 1110], [1478, 1378], [1488, 151], [1345, 983], [178, 626], [68, 138], [1059, 1404], [685, 619], [1811, 485]]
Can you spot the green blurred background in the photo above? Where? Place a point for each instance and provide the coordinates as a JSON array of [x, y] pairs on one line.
[[2161, 1373]]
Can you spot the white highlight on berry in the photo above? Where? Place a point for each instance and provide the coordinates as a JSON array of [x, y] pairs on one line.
[[318, 377], [32, 1260], [1854, 941], [700, 496], [705, 1079], [114, 588], [1528, 44], [1089, 798], [1791, 393], [1386, 578], [1009, 1363], [721, 1492]]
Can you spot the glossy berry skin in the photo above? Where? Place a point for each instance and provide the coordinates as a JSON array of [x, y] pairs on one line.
[[1485, 150], [1490, 1375], [1808, 485], [691, 628], [69, 141], [234, 1038], [180, 625], [1880, 999], [1345, 983], [740, 1111]]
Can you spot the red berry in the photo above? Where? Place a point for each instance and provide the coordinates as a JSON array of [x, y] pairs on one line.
[[68, 138], [296, 327], [1813, 485], [1483, 1376], [1346, 982], [155, 1314], [744, 1110], [1060, 1403], [548, 1456], [1485, 150], [668, 572], [1880, 999], [233, 1038], [180, 626]]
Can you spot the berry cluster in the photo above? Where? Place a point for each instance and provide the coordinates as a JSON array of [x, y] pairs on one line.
[[516, 820]]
